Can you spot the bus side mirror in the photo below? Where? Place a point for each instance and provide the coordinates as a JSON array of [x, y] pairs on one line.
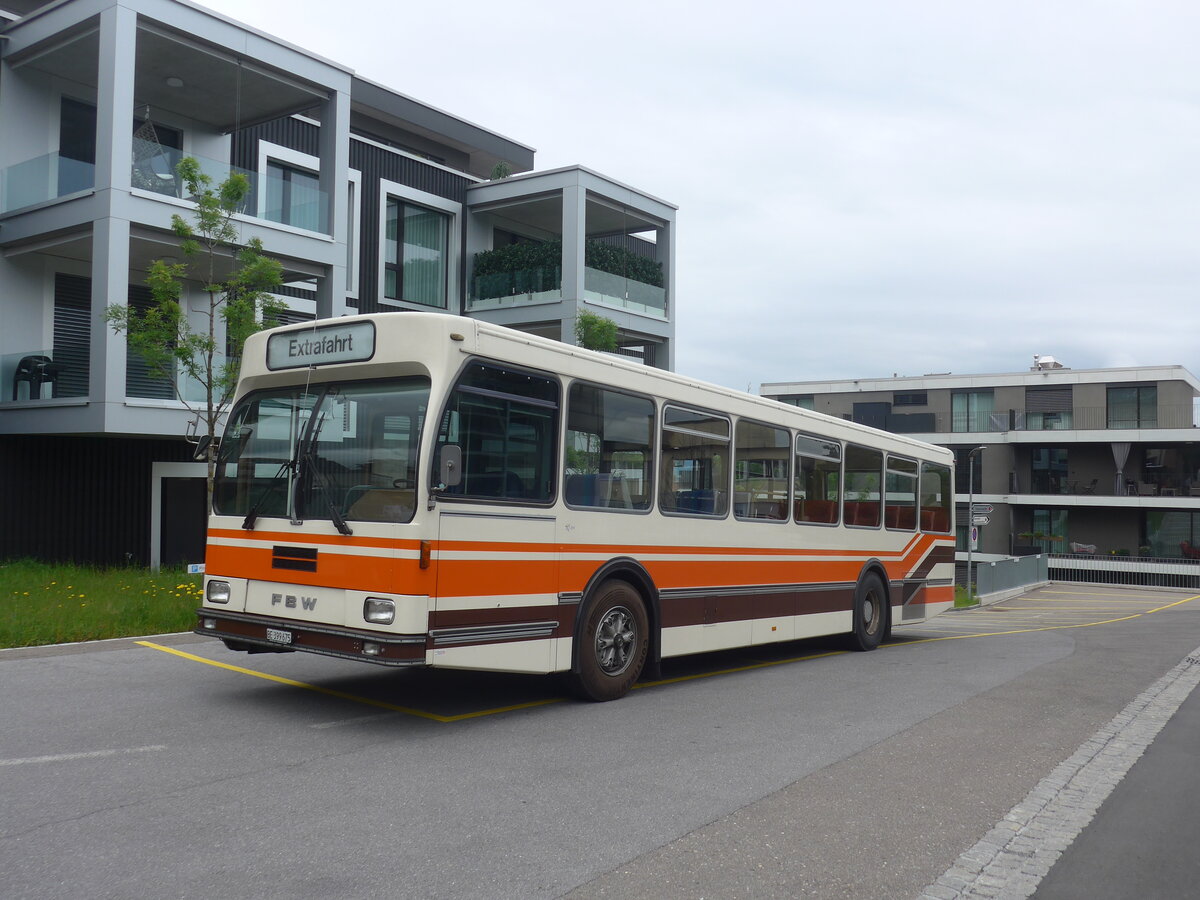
[[200, 454], [450, 465]]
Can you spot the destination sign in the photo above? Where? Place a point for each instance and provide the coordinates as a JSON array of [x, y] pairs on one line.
[[321, 346], [982, 508]]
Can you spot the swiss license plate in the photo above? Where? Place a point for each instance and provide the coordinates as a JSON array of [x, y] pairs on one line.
[[279, 636]]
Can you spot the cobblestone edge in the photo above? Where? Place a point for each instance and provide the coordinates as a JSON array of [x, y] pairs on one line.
[[1012, 859]]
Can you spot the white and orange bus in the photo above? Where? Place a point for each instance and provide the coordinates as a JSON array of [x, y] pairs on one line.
[[416, 489]]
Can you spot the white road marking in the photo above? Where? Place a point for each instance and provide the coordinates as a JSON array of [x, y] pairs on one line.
[[1012, 859], [91, 754]]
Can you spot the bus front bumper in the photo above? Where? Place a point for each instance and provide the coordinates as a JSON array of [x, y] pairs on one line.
[[266, 634]]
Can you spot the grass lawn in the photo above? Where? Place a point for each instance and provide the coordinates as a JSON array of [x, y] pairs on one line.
[[41, 603]]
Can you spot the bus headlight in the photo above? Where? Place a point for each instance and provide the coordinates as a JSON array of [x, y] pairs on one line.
[[378, 611], [217, 592]]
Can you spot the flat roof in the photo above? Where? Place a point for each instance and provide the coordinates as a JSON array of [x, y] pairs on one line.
[[1008, 379]]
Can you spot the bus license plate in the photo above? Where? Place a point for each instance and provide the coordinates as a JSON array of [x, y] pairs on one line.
[[279, 636]]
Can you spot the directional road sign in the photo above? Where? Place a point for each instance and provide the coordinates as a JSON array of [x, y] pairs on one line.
[[981, 520], [981, 509]]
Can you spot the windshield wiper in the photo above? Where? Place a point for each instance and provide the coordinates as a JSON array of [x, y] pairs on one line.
[[310, 459], [306, 455], [252, 516]]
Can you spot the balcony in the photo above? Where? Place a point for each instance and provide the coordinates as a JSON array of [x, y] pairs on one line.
[[531, 272], [286, 201], [1081, 418], [37, 376], [516, 287], [42, 179]]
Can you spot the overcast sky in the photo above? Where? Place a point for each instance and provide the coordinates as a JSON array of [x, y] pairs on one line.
[[864, 188]]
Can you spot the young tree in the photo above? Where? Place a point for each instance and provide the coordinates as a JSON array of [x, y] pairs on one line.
[[164, 337], [595, 332]]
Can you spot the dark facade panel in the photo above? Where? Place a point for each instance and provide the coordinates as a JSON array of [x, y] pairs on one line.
[[377, 164], [79, 499], [286, 132]]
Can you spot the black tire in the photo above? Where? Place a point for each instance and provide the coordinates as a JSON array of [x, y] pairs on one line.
[[612, 643], [870, 613]]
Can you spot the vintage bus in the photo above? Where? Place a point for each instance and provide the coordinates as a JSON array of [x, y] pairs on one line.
[[417, 489]]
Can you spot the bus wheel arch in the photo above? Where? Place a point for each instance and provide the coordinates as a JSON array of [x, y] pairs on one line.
[[619, 599], [871, 615]]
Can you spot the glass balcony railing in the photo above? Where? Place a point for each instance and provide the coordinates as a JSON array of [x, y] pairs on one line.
[[36, 375], [516, 288], [42, 179], [1081, 418], [288, 200], [618, 290]]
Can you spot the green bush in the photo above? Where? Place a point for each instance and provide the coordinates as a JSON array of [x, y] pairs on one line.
[[547, 256]]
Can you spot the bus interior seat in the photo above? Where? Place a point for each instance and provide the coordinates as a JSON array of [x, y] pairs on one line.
[[823, 512]]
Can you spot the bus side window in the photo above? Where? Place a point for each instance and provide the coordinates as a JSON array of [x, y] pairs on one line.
[[864, 482], [760, 473], [900, 494], [818, 480], [936, 498], [694, 466], [609, 459], [506, 423]]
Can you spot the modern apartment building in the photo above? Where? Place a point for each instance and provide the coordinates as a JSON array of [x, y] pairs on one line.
[[1103, 461], [372, 200]]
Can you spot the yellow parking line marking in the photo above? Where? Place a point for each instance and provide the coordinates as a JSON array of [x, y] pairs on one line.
[[957, 637], [341, 695], [1176, 603], [407, 710]]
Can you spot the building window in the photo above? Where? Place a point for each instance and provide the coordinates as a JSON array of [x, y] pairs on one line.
[[1133, 407], [1051, 525], [971, 411], [415, 254], [139, 381], [1174, 533], [72, 338], [1049, 470], [1048, 409], [913, 398], [293, 196], [966, 471]]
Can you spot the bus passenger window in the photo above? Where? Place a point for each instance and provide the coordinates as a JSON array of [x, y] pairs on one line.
[[610, 449], [900, 494], [937, 498], [818, 480], [694, 471], [760, 473], [506, 423], [864, 471]]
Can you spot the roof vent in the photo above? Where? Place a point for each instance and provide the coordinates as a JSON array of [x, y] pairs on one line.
[[1042, 363]]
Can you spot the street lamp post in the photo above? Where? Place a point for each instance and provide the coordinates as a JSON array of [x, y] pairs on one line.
[[971, 513]]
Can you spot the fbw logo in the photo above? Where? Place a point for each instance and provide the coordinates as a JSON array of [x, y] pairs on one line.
[[291, 600]]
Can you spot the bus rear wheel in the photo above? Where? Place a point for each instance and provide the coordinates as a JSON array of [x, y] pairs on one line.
[[613, 642], [870, 613]]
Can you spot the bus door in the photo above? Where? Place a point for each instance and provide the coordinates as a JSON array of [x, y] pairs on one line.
[[497, 562]]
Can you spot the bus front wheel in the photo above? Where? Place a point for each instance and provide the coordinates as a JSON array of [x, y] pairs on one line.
[[870, 613], [613, 642]]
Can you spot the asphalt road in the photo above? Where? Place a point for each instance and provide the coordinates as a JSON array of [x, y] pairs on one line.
[[143, 769]]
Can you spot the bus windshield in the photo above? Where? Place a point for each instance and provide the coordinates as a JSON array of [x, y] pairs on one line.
[[339, 451]]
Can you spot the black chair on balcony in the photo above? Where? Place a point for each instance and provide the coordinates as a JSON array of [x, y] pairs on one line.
[[1090, 488], [36, 371]]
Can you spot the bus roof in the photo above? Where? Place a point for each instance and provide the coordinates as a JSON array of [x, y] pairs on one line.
[[415, 335]]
